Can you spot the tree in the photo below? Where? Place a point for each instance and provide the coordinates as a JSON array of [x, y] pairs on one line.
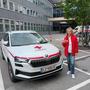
[[77, 9]]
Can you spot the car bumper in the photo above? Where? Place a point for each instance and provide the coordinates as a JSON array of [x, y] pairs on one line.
[[37, 75]]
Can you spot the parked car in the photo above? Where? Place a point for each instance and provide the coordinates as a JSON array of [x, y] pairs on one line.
[[79, 28], [29, 55]]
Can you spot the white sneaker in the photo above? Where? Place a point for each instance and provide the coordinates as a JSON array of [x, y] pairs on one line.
[[73, 76], [68, 72]]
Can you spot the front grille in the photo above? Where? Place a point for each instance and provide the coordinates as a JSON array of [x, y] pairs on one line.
[[44, 62]]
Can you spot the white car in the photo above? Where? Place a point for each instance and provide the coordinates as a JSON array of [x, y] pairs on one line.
[[29, 55], [79, 29]]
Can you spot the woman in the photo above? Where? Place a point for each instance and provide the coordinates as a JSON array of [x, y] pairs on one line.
[[70, 44]]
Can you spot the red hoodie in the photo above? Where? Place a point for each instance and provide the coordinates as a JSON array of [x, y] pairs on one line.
[[74, 45]]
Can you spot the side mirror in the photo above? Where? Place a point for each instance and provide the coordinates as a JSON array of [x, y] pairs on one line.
[[5, 42]]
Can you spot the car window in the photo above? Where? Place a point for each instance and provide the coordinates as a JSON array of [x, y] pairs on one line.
[[20, 39]]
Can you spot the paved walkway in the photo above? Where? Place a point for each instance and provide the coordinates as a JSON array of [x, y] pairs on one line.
[[1, 82]]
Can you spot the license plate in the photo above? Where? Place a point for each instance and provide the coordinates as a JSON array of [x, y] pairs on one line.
[[49, 68]]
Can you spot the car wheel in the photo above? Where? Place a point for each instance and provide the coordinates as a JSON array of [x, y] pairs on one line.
[[11, 74]]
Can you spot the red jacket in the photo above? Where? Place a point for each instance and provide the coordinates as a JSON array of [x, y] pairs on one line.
[[74, 45]]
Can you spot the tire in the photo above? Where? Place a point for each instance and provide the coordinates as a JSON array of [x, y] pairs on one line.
[[11, 74]]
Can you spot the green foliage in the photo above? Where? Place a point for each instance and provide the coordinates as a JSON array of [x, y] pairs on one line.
[[78, 9]]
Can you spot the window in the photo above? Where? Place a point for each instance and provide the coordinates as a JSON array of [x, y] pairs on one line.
[[41, 27], [21, 25], [34, 1], [31, 12], [1, 25], [36, 14], [25, 26], [1, 21], [16, 8], [28, 26], [20, 9], [0, 3], [17, 25], [31, 26], [34, 27], [5, 3], [37, 27], [11, 7], [24, 10], [7, 27], [21, 39], [12, 25], [28, 12]]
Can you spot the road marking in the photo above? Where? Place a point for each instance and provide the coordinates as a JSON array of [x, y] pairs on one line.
[[80, 70], [1, 82], [78, 86], [78, 58], [85, 51]]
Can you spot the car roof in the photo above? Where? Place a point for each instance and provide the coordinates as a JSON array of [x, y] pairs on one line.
[[11, 32]]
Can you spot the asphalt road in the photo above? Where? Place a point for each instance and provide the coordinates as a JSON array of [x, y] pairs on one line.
[[60, 81]]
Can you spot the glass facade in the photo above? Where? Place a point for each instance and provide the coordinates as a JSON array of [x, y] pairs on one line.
[[1, 25], [57, 12], [39, 10], [11, 25]]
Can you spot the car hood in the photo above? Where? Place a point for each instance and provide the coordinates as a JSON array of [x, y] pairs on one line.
[[33, 50]]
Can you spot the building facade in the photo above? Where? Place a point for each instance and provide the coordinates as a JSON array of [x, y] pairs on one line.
[[25, 15]]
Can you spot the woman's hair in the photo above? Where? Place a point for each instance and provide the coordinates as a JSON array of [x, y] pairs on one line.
[[69, 28]]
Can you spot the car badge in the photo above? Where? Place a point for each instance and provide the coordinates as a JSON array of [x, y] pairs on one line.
[[46, 55]]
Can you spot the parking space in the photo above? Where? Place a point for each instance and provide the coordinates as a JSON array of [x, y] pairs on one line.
[[59, 81], [87, 87], [84, 64]]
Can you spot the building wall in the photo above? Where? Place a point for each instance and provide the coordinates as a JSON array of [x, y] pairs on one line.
[[25, 15]]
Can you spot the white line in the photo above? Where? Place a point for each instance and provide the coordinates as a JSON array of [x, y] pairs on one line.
[[82, 57], [1, 82], [80, 70], [78, 58], [84, 51], [80, 85]]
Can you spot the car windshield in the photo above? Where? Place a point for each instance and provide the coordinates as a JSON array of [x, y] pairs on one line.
[[20, 39]]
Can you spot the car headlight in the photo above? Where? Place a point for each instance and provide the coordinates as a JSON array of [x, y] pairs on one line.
[[21, 60]]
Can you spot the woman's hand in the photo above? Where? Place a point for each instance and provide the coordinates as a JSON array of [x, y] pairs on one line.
[[65, 41]]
